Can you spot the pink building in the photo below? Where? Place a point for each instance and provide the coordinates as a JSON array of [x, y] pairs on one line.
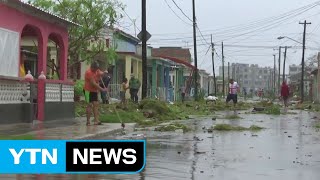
[[54, 99]]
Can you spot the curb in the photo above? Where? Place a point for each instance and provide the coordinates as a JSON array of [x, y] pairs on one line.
[[104, 133]]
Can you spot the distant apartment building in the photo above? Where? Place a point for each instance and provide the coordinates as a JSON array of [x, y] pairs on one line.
[[225, 71], [294, 69], [251, 77]]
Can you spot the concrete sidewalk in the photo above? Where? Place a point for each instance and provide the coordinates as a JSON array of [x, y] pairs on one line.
[[64, 129]]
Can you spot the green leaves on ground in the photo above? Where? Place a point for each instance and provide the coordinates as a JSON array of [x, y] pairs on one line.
[[173, 127], [233, 116], [274, 110], [18, 137], [161, 111], [228, 127], [268, 108]]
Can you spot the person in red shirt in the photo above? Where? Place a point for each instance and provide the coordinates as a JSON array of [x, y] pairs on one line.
[[91, 89], [285, 93]]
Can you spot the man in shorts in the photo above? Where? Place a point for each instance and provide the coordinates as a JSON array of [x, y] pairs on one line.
[[233, 90], [91, 89]]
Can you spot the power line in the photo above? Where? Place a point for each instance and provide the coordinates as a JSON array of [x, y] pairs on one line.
[[176, 13], [203, 36], [266, 20], [181, 10], [134, 22], [254, 24], [269, 26]]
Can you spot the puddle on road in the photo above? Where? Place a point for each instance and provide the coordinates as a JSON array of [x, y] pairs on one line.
[[264, 155]]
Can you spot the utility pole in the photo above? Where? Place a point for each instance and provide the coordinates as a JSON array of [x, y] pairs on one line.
[[223, 71], [233, 69], [274, 75], [135, 27], [195, 49], [229, 71], [302, 63], [318, 79], [279, 70], [284, 64], [270, 80], [144, 49], [213, 68]]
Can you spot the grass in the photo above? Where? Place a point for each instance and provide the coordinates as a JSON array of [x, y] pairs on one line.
[[18, 137], [264, 104], [270, 108], [173, 127], [317, 126], [233, 116], [273, 110], [228, 127], [162, 111], [292, 113]]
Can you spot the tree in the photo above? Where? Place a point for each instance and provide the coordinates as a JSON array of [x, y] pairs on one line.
[[86, 41]]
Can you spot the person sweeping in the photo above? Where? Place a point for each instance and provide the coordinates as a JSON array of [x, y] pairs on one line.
[[122, 124], [90, 90]]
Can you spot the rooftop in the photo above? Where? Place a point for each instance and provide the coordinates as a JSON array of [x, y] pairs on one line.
[[176, 52], [36, 11]]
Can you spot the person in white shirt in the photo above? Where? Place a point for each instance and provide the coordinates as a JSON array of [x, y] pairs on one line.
[[233, 90]]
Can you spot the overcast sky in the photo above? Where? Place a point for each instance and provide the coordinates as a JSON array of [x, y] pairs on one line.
[[237, 22]]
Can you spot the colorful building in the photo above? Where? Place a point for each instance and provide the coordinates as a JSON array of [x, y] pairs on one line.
[[127, 62], [42, 98]]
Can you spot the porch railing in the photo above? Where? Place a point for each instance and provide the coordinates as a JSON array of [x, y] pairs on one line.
[[13, 91], [114, 90], [58, 91]]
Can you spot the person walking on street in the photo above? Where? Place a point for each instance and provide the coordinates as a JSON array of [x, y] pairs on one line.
[[233, 90], [134, 85], [90, 90], [105, 81], [285, 93]]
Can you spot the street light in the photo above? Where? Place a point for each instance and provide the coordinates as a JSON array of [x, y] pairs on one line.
[[302, 63], [282, 37]]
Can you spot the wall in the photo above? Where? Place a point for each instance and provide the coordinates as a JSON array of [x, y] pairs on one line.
[[149, 50], [124, 46]]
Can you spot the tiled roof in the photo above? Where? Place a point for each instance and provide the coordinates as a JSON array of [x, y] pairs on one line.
[[176, 52], [27, 5]]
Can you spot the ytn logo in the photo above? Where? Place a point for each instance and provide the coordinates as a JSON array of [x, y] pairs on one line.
[[32, 152]]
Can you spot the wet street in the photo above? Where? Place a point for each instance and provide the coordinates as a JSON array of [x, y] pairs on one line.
[[288, 149]]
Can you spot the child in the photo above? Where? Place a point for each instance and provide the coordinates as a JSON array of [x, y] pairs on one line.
[[124, 87], [183, 93]]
